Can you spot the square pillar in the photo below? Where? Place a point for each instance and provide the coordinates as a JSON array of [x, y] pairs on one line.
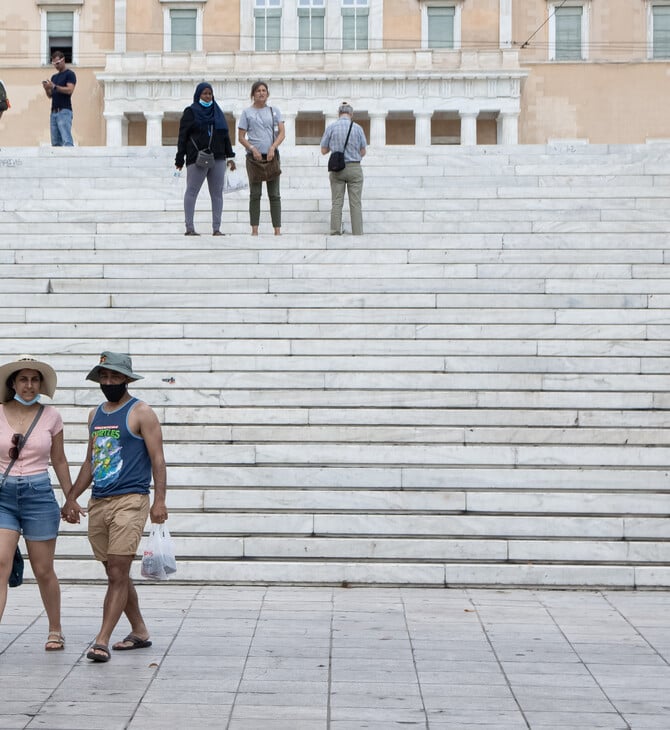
[[422, 131], [115, 128], [468, 128], [508, 123], [154, 129], [377, 129]]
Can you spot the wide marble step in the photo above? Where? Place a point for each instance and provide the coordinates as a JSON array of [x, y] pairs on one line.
[[473, 393]]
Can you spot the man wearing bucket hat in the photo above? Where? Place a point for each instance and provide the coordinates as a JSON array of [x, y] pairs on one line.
[[31, 437], [125, 449]]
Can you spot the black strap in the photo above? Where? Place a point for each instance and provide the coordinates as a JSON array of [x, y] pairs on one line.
[[347, 138], [25, 438], [211, 134]]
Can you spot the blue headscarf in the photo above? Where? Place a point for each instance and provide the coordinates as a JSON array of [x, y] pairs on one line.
[[206, 117]]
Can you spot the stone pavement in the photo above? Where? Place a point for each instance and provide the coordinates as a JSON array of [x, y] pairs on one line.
[[320, 658]]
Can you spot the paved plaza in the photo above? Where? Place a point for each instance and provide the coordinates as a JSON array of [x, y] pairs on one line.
[[321, 658]]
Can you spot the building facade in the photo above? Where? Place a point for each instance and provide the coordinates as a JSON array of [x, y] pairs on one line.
[[418, 72]]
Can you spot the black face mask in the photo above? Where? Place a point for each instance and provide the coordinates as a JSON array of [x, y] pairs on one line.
[[114, 392]]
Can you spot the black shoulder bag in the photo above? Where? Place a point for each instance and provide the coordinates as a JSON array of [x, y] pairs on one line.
[[16, 576], [205, 158], [336, 160]]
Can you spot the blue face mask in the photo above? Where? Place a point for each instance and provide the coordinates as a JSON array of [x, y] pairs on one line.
[[206, 104], [26, 402]]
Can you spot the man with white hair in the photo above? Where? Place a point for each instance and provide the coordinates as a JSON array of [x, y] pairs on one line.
[[346, 136]]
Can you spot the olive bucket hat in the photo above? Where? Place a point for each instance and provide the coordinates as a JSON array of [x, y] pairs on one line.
[[117, 361]]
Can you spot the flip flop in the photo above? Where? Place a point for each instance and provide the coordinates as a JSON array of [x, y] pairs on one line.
[[134, 641], [104, 657], [55, 637]]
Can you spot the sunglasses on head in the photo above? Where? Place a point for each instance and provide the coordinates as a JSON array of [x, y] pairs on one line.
[[17, 445]]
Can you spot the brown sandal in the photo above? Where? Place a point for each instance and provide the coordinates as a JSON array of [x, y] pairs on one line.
[[55, 637]]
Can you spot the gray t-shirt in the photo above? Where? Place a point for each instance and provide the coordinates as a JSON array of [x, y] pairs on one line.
[[261, 125]]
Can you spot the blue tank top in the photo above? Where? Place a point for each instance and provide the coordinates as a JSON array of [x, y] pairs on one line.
[[119, 458]]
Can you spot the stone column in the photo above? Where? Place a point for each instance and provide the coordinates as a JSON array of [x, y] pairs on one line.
[[377, 129], [468, 128], [154, 128], [422, 132], [289, 128], [114, 128], [509, 128]]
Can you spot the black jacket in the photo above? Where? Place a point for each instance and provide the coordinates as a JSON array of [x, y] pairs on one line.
[[188, 130]]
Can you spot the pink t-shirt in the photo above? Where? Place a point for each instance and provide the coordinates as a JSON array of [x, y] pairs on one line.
[[34, 456]]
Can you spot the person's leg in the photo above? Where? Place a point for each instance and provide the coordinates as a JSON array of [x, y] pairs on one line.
[[8, 542], [64, 121], [56, 140], [255, 190], [355, 191], [41, 554], [275, 204], [115, 532], [132, 612], [117, 568], [337, 186], [195, 177], [215, 179]]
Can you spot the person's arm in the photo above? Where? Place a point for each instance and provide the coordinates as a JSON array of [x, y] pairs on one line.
[[68, 89], [71, 510], [59, 463], [185, 123], [48, 88], [242, 139], [149, 429], [281, 134]]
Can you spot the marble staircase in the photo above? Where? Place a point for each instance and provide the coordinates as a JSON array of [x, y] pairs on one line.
[[473, 393]]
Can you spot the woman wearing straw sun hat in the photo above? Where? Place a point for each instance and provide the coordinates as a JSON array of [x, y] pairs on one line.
[[31, 437]]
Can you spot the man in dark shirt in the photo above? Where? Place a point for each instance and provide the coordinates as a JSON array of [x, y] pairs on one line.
[[60, 90]]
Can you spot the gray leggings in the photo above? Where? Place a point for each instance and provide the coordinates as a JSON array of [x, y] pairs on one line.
[[195, 177]]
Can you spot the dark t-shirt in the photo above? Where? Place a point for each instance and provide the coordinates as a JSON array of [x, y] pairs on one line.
[[58, 100]]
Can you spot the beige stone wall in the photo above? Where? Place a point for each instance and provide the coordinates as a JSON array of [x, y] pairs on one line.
[[603, 103], [402, 24], [615, 96], [27, 122]]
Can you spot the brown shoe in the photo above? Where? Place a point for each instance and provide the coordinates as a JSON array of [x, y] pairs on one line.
[[191, 233]]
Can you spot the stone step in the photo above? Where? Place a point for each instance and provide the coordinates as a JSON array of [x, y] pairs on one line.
[[473, 393], [419, 573], [400, 550]]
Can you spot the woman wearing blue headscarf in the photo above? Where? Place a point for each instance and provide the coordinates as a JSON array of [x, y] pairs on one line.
[[203, 127]]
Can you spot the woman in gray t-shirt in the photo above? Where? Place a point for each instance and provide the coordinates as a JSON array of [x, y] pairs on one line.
[[260, 132]]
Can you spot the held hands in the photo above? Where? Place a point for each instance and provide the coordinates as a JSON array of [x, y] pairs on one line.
[[231, 164], [71, 511]]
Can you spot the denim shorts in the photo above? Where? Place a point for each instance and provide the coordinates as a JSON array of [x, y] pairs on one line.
[[28, 505]]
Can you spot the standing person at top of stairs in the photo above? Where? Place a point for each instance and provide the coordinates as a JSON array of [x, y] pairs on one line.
[[346, 136], [260, 131], [60, 89], [203, 127]]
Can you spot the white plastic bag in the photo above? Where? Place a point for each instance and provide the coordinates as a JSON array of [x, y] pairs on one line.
[[158, 558], [233, 181]]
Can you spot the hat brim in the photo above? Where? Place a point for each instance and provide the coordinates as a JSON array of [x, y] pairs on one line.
[[94, 375], [25, 362]]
